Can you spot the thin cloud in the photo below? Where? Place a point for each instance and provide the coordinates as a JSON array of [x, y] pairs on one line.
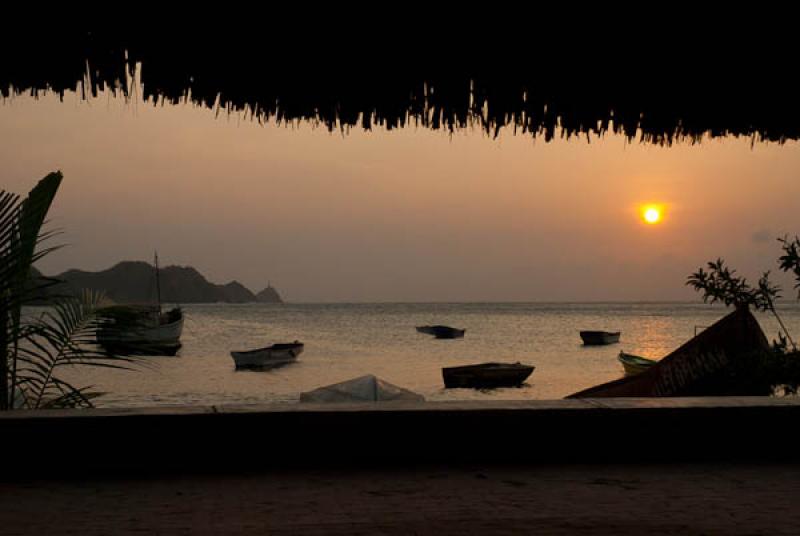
[[763, 236]]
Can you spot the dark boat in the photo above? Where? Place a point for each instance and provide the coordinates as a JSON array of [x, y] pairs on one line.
[[594, 338], [442, 332], [487, 375], [277, 354]]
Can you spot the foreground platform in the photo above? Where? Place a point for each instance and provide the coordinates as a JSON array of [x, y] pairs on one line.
[[611, 466]]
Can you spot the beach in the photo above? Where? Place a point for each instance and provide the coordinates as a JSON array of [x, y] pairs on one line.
[[617, 499]]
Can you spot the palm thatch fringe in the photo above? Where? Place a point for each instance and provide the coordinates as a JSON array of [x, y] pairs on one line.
[[392, 83]]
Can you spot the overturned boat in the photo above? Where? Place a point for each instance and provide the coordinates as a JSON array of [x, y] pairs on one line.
[[442, 332], [368, 388], [716, 362], [487, 375]]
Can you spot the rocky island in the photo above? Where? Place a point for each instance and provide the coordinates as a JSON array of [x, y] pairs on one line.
[[134, 282]]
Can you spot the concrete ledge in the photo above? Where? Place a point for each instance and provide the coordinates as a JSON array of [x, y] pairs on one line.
[[310, 435]]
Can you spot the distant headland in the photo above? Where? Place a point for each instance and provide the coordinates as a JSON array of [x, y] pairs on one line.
[[134, 282]]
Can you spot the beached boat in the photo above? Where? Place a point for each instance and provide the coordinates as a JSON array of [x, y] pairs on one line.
[[367, 388], [634, 364], [270, 356], [141, 329], [487, 375], [442, 332], [593, 338]]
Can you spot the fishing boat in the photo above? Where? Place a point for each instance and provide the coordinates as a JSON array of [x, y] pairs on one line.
[[634, 364], [595, 338], [270, 356], [442, 332], [487, 375], [141, 329]]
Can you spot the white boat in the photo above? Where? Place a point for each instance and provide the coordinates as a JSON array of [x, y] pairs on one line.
[[367, 388], [270, 356], [142, 329]]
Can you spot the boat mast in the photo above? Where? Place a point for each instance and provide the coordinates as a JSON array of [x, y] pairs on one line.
[[158, 284]]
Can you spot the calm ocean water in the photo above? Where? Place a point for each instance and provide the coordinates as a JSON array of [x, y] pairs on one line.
[[348, 340]]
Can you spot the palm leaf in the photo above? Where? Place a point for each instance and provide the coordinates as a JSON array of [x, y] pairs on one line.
[[20, 234], [62, 337], [34, 349]]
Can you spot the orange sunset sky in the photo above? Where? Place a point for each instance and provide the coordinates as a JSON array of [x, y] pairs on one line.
[[406, 215]]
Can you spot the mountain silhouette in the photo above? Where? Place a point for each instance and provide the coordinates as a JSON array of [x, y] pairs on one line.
[[135, 282]]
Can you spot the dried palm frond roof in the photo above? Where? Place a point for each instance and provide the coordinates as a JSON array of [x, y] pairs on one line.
[[392, 82]]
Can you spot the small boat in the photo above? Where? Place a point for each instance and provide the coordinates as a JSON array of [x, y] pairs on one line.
[[634, 364], [270, 356], [593, 338], [442, 332], [487, 375]]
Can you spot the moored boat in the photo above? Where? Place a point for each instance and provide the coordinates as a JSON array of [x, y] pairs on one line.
[[594, 338], [141, 329], [487, 375], [270, 356], [442, 332], [634, 364]]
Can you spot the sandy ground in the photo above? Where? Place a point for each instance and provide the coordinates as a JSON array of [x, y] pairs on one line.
[[568, 499]]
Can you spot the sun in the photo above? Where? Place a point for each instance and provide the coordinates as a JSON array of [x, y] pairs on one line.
[[652, 214]]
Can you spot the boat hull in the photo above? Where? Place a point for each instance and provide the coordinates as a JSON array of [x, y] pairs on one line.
[[442, 332], [486, 375], [271, 356], [633, 364], [163, 339], [597, 338]]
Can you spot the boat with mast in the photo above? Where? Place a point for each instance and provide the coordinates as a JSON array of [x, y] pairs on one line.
[[142, 329]]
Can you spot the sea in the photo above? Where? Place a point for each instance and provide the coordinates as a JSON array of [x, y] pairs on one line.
[[343, 341]]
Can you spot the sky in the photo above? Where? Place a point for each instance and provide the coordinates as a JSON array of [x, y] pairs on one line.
[[404, 215]]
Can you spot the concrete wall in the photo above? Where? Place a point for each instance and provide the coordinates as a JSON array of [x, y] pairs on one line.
[[211, 438]]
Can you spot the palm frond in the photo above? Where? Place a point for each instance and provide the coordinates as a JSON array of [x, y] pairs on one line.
[[34, 349], [64, 336], [20, 234], [70, 397]]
